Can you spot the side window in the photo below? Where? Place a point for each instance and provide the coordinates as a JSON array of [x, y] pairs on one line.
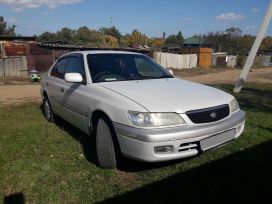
[[76, 65], [59, 68]]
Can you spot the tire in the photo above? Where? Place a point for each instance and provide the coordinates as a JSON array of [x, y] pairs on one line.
[[48, 112], [106, 144]]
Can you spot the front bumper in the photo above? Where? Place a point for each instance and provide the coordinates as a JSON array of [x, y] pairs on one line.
[[139, 143]]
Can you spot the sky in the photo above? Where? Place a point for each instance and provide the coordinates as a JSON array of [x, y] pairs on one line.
[[152, 17]]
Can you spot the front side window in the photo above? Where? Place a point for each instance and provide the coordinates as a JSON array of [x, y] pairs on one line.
[[75, 65], [59, 68], [124, 67]]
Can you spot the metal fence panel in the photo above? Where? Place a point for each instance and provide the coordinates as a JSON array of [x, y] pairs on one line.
[[169, 60]]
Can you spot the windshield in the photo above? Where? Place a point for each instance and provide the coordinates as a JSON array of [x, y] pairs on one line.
[[124, 67]]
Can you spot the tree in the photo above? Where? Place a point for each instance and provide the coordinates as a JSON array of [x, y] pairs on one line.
[[113, 31], [124, 41], [137, 38], [6, 30], [266, 45], [244, 44], [111, 41], [91, 38], [225, 41], [157, 42], [174, 40], [216, 40], [233, 32], [66, 35], [47, 36]]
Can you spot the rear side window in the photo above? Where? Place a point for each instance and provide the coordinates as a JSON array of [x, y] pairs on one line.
[[59, 68]]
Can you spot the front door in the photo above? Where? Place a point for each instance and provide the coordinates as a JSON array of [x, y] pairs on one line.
[[74, 97]]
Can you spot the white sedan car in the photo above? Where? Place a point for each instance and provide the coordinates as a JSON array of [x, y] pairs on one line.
[[138, 109]]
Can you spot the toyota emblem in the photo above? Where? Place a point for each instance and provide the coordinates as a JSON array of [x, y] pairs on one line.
[[213, 115]]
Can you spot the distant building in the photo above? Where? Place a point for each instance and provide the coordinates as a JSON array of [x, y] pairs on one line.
[[195, 42], [40, 56]]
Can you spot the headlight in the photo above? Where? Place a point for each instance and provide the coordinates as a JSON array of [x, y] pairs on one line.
[[155, 119], [234, 106]]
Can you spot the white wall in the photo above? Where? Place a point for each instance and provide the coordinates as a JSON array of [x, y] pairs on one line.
[[169, 60]]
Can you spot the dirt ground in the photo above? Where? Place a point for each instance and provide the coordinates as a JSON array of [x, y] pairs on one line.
[[15, 91], [261, 75]]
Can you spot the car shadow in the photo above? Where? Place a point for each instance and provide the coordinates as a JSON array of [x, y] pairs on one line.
[[87, 142], [89, 149], [17, 198], [242, 177]]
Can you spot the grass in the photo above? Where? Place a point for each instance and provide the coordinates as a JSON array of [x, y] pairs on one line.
[[47, 163]]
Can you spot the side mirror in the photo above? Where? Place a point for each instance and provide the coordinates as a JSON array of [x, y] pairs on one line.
[[73, 77], [171, 71]]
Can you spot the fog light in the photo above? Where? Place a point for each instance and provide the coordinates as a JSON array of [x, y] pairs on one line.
[[238, 128], [164, 149]]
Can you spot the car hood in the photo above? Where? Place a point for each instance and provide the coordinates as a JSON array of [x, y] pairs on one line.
[[169, 95]]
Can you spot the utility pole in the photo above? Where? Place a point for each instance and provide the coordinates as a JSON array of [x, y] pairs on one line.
[[254, 49]]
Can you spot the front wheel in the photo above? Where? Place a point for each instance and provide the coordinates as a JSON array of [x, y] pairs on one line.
[[106, 144], [48, 112]]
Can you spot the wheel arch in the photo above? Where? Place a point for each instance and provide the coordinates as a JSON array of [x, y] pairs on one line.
[[44, 94], [95, 117]]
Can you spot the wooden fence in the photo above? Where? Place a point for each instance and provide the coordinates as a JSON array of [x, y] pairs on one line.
[[13, 66], [169, 60]]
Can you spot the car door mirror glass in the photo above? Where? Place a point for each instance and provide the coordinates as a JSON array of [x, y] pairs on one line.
[[171, 71], [73, 77]]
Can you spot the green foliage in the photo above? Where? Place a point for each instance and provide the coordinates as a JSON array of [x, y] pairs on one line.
[[92, 38], [67, 35], [231, 40], [266, 45], [174, 40], [113, 31], [47, 36], [6, 30], [137, 38]]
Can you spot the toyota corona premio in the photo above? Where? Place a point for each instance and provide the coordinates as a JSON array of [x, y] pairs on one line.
[[136, 108]]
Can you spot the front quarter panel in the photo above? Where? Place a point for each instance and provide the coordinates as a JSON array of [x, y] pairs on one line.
[[114, 105]]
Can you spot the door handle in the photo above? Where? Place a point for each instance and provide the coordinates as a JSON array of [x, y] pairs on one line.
[[62, 89]]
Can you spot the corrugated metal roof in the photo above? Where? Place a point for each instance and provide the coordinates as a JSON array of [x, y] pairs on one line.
[[17, 38]]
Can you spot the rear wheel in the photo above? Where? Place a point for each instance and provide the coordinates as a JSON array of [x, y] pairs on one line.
[[48, 112], [106, 144]]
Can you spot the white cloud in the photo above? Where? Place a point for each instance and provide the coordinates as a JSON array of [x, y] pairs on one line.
[[255, 10], [18, 9], [231, 16], [251, 27], [20, 5]]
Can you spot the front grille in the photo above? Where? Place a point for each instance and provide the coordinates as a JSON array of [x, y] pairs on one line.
[[208, 115]]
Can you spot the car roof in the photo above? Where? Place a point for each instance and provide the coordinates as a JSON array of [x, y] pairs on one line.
[[102, 52]]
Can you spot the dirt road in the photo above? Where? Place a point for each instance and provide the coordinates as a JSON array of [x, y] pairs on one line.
[[263, 75], [16, 94]]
